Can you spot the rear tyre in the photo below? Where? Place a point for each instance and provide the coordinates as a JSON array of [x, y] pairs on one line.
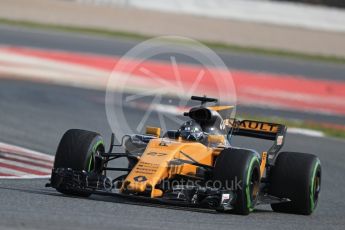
[[77, 150], [296, 176], [239, 170]]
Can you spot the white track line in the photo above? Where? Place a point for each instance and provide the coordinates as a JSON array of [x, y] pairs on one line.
[[29, 160], [16, 160], [25, 166], [29, 152], [302, 97], [25, 177], [11, 172], [306, 132]]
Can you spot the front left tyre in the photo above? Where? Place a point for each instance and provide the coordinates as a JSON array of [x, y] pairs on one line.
[[77, 150], [239, 170]]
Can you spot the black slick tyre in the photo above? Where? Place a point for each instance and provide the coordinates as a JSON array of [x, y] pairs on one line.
[[297, 177], [77, 150], [239, 170]]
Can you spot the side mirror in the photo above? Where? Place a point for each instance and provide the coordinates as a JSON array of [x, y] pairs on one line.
[[154, 131], [216, 139]]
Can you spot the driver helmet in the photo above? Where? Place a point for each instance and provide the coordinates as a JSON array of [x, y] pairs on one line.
[[191, 131]]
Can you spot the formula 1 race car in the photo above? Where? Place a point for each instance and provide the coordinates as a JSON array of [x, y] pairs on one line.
[[194, 165]]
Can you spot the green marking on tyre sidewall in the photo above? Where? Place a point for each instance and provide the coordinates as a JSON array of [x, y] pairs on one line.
[[94, 148], [312, 188], [249, 203]]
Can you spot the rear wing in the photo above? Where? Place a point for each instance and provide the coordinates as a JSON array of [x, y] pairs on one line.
[[257, 129], [262, 130]]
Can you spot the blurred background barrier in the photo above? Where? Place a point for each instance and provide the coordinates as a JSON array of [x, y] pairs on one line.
[[273, 12], [334, 3], [139, 17]]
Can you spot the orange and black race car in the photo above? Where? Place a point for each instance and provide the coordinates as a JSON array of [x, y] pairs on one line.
[[194, 165]]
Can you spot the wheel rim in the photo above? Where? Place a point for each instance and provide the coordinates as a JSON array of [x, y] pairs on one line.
[[254, 185], [317, 187], [96, 151]]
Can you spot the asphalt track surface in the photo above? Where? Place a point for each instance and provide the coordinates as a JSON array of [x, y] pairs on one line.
[[18, 36], [35, 116]]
